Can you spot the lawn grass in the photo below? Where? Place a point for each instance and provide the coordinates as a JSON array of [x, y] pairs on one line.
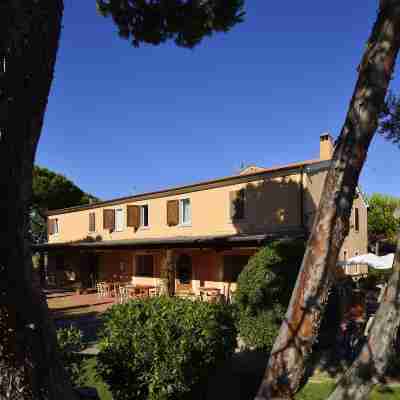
[[312, 391], [320, 391]]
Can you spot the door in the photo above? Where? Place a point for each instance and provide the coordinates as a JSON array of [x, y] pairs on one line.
[[93, 275], [184, 272]]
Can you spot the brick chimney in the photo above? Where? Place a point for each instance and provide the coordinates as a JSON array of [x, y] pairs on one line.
[[326, 146]]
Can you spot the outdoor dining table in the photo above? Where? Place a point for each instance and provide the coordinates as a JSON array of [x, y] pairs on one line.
[[210, 290], [133, 288]]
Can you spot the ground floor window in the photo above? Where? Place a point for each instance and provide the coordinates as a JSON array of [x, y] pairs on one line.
[[233, 266], [144, 265]]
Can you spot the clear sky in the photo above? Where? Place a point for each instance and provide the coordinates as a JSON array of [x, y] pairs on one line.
[[123, 120]]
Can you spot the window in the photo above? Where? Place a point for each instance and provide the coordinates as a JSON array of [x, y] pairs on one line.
[[237, 206], [144, 265], [119, 219], [144, 215], [345, 255], [233, 266], [356, 219], [92, 222], [55, 226], [52, 226], [185, 212]]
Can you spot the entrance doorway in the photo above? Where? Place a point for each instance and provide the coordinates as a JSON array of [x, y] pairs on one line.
[[93, 270], [184, 271]]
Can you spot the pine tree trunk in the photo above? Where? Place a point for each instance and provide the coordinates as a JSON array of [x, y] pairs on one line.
[[287, 363], [370, 366], [29, 34]]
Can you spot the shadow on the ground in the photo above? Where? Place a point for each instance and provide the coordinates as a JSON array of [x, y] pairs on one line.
[[89, 323], [66, 310], [238, 378]]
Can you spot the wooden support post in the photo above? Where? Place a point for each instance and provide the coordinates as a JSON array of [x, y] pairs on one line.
[[169, 273]]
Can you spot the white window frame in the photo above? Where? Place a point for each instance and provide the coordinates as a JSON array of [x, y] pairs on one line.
[[119, 209], [142, 216], [181, 202], [56, 226]]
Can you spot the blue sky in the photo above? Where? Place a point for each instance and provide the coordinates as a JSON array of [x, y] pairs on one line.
[[123, 120]]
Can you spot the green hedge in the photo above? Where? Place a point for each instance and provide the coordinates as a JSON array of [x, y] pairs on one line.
[[163, 348], [264, 289]]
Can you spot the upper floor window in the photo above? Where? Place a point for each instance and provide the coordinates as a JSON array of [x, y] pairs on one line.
[[237, 204], [356, 219], [179, 212], [144, 215], [92, 222], [119, 219], [185, 212], [52, 226]]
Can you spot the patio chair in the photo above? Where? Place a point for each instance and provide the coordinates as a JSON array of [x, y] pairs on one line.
[[123, 294], [101, 289]]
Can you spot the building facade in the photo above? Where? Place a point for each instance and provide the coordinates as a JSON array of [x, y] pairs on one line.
[[211, 227]]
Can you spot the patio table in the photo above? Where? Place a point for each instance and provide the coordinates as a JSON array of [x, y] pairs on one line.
[[133, 288], [210, 290]]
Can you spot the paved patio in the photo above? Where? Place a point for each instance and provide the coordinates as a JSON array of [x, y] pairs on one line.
[[81, 311]]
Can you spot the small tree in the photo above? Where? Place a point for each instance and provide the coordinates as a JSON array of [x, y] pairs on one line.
[[164, 348], [382, 224], [264, 289]]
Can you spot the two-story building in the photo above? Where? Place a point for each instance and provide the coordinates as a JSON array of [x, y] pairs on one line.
[[212, 227]]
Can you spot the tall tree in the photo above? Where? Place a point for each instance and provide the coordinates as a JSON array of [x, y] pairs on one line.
[[29, 37], [382, 224], [293, 346], [52, 191], [389, 123]]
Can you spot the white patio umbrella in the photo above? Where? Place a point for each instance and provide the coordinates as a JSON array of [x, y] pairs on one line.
[[387, 261], [372, 260]]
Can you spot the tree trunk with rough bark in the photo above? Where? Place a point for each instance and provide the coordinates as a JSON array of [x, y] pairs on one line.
[[370, 366], [29, 364], [286, 367]]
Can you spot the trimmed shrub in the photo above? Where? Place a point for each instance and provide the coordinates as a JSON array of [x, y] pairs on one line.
[[264, 289], [163, 348], [69, 343]]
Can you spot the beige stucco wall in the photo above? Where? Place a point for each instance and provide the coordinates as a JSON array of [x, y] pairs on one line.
[[272, 204], [114, 266], [355, 242]]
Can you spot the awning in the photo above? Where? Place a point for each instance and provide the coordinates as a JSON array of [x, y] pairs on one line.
[[220, 241]]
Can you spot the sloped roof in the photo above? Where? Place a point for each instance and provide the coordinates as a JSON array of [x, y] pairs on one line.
[[192, 187], [239, 240]]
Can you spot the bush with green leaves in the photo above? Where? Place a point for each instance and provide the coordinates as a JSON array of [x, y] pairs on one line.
[[69, 344], [264, 289], [163, 348]]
